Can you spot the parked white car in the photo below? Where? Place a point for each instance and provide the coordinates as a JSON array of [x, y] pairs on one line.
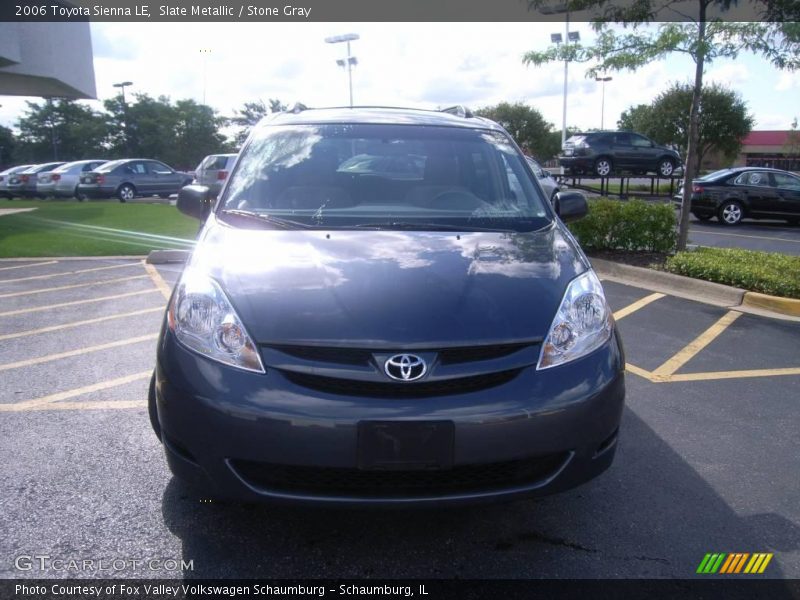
[[62, 182]]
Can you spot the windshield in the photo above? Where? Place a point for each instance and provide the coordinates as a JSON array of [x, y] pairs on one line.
[[385, 176]]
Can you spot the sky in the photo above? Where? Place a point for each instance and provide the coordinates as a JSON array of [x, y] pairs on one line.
[[423, 65]]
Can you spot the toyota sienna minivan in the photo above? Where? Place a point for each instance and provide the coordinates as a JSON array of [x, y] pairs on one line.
[[412, 335]]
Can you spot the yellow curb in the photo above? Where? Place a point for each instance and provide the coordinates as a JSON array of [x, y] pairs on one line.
[[785, 306]]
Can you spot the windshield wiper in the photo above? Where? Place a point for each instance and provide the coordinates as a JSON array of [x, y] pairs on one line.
[[276, 222], [411, 226]]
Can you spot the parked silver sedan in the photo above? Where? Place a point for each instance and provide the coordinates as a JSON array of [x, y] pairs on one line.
[[213, 171], [5, 176], [546, 180], [62, 182], [128, 178]]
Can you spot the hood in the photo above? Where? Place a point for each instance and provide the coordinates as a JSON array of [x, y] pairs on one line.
[[391, 288]]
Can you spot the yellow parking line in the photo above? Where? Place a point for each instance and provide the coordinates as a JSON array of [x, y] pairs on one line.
[[99, 405], [158, 280], [95, 387], [143, 311], [700, 342], [638, 371], [51, 357], [632, 308], [41, 264], [732, 374], [23, 311], [70, 287], [130, 264]]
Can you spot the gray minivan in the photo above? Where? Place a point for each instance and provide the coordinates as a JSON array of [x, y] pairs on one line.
[[364, 337]]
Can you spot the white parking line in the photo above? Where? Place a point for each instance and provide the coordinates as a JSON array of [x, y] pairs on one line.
[[79, 351], [70, 287], [11, 336], [41, 264], [132, 264], [22, 311]]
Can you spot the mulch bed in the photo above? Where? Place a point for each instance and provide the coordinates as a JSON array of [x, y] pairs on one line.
[[651, 260]]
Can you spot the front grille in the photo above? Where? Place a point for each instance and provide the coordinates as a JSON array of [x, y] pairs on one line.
[[385, 484], [346, 356], [379, 389], [363, 356], [452, 356]]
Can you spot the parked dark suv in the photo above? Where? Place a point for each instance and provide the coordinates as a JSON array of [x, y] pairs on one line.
[[603, 152], [347, 333]]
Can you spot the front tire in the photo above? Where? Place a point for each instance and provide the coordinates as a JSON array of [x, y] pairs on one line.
[[152, 410], [730, 213], [126, 192], [603, 167], [666, 167]]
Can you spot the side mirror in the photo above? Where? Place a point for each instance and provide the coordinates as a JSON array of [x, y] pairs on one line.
[[571, 206], [195, 201]]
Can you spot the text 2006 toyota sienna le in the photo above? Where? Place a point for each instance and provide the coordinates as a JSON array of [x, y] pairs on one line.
[[383, 309]]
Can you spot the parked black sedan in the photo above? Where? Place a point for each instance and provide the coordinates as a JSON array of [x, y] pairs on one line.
[[745, 192], [125, 179]]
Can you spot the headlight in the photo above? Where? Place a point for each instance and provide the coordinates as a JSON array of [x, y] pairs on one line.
[[582, 324], [203, 319]]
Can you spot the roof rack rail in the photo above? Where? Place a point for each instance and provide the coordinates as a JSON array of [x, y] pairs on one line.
[[458, 110]]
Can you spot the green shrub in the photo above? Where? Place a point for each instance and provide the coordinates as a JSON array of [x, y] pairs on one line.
[[633, 225], [765, 272]]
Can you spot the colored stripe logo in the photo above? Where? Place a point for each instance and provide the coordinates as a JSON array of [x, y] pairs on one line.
[[734, 563]]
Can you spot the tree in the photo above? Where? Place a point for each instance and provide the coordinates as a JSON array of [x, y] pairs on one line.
[[792, 147], [724, 120], [250, 114], [527, 126], [179, 134], [8, 144], [61, 129], [702, 39]]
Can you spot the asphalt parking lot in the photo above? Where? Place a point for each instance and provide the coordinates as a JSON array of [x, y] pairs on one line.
[[767, 236], [708, 460]]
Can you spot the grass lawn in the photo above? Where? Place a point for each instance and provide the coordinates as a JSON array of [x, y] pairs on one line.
[[101, 228]]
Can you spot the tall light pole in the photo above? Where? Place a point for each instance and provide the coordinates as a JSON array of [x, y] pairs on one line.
[[556, 38], [122, 85], [349, 62], [205, 52], [603, 101]]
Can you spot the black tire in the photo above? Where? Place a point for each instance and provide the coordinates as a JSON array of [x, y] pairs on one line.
[[603, 166], [78, 196], [666, 167], [702, 216], [152, 410], [164, 196], [730, 213], [126, 192]]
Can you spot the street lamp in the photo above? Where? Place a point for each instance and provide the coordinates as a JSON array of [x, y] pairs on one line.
[[603, 102], [205, 52], [122, 85], [556, 38], [346, 63]]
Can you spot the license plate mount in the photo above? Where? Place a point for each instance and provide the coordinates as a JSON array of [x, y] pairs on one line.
[[405, 445]]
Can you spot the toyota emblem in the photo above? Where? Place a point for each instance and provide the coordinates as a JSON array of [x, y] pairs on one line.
[[405, 367]]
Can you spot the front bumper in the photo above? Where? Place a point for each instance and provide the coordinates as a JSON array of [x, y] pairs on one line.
[[260, 437]]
